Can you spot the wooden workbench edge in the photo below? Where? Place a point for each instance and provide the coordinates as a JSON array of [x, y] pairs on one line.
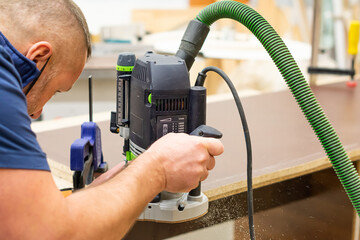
[[275, 177], [61, 171]]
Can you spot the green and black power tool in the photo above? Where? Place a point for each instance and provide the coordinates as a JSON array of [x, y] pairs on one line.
[[154, 98]]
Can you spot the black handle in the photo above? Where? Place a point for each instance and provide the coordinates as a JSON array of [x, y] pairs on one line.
[[204, 131]]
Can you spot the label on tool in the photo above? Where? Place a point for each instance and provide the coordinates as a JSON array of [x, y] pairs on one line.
[[166, 124]]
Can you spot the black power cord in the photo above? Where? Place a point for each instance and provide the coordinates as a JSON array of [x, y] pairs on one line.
[[250, 202]]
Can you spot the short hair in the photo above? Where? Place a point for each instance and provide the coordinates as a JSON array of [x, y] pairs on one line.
[[56, 18], [80, 18]]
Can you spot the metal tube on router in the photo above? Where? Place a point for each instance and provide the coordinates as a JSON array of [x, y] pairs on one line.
[[197, 113]]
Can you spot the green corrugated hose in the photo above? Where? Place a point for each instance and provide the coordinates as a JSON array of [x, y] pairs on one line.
[[286, 64]]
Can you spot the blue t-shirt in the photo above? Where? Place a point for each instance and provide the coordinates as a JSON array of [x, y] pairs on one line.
[[18, 145]]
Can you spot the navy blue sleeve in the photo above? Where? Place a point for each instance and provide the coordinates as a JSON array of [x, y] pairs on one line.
[[18, 145]]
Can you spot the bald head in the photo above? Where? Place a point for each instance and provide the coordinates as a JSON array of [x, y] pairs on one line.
[[59, 22]]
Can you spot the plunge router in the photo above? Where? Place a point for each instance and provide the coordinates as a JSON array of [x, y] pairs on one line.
[[154, 98]]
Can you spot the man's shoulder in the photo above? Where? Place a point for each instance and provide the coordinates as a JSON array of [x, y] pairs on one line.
[[8, 72], [19, 148], [4, 56]]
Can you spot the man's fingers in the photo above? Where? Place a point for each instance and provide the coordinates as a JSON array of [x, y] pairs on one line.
[[214, 146], [211, 163], [204, 176]]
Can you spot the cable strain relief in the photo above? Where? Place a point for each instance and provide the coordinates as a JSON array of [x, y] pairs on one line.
[[200, 80]]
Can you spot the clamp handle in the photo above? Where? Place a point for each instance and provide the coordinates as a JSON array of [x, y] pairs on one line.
[[353, 50], [353, 37], [86, 155]]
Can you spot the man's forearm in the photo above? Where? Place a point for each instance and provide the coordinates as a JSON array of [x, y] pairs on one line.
[[104, 177], [33, 208], [115, 205]]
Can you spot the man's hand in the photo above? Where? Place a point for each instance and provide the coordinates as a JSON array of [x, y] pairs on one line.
[[185, 159]]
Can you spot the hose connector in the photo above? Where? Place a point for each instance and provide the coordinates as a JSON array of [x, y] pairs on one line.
[[192, 41]]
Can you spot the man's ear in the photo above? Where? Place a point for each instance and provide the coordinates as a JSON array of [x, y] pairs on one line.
[[39, 52]]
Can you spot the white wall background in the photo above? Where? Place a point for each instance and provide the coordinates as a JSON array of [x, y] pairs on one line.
[[115, 12]]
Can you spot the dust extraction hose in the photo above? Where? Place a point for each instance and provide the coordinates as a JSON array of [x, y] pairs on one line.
[[290, 71]]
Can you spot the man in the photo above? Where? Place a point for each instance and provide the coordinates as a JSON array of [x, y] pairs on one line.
[[44, 45]]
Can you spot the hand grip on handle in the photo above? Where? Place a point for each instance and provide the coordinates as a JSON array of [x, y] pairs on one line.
[[204, 131]]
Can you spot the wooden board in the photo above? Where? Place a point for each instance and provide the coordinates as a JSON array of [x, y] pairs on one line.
[[287, 161], [207, 2], [201, 2], [284, 146], [308, 207]]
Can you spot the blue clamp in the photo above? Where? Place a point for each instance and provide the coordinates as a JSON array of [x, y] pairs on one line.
[[88, 148]]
